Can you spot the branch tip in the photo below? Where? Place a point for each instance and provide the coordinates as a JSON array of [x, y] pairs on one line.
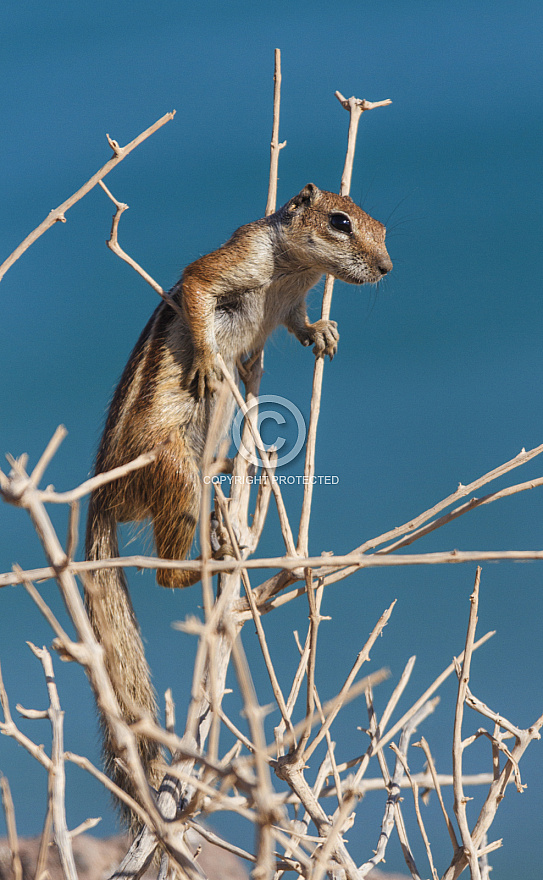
[[360, 103], [117, 149]]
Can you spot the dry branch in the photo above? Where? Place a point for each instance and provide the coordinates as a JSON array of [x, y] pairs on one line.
[[284, 563], [275, 146], [11, 825], [437, 782], [355, 107], [459, 799], [59, 214], [56, 776]]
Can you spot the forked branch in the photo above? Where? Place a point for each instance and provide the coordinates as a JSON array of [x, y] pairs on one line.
[[59, 214]]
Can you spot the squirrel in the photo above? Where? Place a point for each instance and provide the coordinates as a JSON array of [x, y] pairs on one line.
[[232, 299]]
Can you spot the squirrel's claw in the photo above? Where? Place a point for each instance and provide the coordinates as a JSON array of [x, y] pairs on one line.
[[203, 378], [324, 336]]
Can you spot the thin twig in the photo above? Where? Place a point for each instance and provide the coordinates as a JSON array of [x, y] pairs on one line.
[[277, 692], [393, 814], [396, 694], [385, 738], [9, 728], [49, 496], [424, 780], [275, 146], [279, 730], [362, 657], [57, 776], [69, 648], [264, 799], [461, 492], [47, 455], [470, 505], [314, 622], [114, 246], [73, 530], [59, 213], [45, 841], [85, 826], [435, 779], [460, 800], [286, 563], [330, 708], [414, 787], [329, 762], [219, 841], [11, 826], [324, 853], [356, 108], [266, 464], [84, 763]]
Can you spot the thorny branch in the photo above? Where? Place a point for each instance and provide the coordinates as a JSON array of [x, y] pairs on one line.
[[56, 776], [459, 798], [13, 839], [355, 107], [59, 214]]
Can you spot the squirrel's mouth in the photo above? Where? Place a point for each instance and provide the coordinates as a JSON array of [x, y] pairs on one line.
[[365, 274]]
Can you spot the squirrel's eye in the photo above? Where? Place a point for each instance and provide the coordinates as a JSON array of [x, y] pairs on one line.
[[341, 222]]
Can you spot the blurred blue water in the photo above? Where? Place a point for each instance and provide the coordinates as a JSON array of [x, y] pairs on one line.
[[438, 377]]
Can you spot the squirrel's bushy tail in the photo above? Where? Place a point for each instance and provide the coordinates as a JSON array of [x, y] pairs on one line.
[[115, 625]]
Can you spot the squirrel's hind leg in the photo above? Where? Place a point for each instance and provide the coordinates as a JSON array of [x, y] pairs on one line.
[[175, 509]]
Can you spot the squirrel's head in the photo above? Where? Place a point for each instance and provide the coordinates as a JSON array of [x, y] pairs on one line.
[[333, 233]]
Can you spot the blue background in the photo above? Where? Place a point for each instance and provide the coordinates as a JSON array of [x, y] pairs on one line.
[[438, 378]]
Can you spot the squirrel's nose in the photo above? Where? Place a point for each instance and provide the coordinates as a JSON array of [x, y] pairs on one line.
[[384, 265]]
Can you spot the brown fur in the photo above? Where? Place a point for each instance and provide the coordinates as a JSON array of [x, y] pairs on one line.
[[232, 299]]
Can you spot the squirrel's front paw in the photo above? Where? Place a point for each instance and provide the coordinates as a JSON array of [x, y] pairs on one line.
[[324, 336], [204, 377]]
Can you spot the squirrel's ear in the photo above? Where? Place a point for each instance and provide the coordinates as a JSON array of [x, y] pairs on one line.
[[307, 196]]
